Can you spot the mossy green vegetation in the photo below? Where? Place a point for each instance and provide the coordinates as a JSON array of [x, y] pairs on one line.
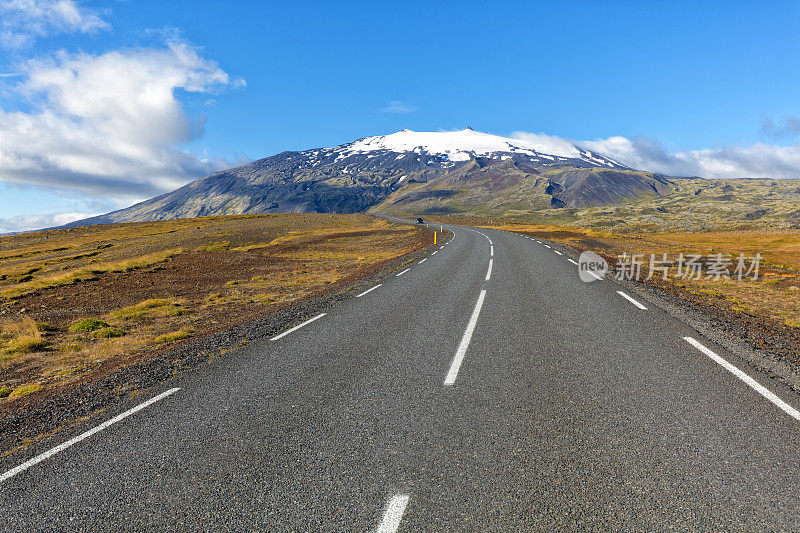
[[87, 325], [24, 390], [108, 333], [174, 336]]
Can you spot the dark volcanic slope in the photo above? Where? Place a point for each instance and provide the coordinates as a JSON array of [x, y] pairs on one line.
[[582, 187], [360, 175], [492, 187]]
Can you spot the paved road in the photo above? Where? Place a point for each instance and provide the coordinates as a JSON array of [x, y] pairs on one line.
[[572, 408]]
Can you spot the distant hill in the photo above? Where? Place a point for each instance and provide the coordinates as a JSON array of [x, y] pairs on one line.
[[412, 172]]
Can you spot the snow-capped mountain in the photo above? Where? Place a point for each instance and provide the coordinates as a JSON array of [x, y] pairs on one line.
[[463, 145], [408, 171]]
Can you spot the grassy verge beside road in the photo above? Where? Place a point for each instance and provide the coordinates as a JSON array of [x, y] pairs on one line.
[[78, 303]]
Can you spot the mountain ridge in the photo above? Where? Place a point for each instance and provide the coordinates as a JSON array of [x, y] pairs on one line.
[[363, 174]]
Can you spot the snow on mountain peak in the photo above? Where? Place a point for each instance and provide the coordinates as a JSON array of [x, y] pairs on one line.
[[462, 145], [455, 145]]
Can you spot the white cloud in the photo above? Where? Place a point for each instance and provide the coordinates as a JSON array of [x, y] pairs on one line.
[[400, 107], [109, 125], [24, 21], [27, 222], [549, 144], [758, 160]]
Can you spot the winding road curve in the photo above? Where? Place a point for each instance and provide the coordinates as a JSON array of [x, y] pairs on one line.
[[484, 388]]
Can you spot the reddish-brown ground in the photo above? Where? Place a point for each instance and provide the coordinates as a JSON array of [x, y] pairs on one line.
[[226, 271]]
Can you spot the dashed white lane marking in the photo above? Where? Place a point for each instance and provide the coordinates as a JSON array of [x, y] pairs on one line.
[[537, 240], [489, 272], [547, 246], [462, 348], [559, 253], [292, 330], [393, 514], [763, 391], [369, 290], [61, 447], [631, 300], [427, 259], [436, 252], [572, 261], [403, 272], [487, 237]]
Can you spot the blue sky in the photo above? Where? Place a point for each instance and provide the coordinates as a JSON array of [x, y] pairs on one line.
[[707, 88]]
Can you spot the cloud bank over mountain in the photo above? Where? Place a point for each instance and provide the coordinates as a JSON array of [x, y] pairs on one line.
[[757, 160]]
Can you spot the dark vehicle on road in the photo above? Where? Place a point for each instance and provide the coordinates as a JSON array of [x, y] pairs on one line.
[[419, 221]]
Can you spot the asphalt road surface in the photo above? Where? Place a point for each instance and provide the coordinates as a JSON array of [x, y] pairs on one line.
[[486, 388]]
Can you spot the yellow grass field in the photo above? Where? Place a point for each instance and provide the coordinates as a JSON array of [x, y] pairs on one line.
[[77, 303]]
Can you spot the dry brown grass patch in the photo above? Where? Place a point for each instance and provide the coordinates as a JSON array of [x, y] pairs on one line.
[[87, 273], [152, 308], [21, 337]]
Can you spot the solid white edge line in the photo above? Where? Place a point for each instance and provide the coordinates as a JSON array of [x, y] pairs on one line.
[[292, 330], [404, 271], [559, 253], [61, 447], [631, 300], [393, 514], [369, 290], [595, 276], [452, 374], [572, 261], [489, 272], [755, 385], [420, 262], [491, 250]]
